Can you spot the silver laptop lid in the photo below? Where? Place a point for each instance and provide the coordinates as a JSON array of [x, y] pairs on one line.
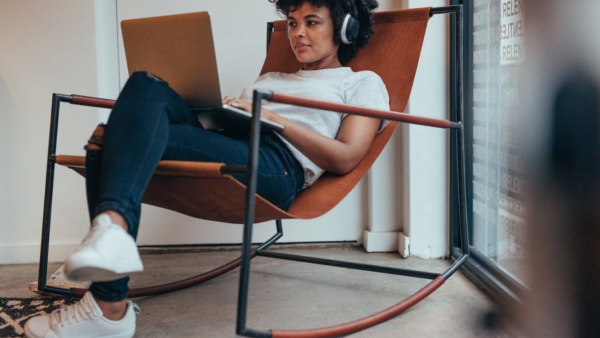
[[180, 50]]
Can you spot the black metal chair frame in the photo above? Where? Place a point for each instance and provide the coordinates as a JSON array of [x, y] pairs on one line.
[[457, 141]]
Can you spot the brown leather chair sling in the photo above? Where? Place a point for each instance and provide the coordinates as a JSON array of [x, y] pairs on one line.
[[208, 191]]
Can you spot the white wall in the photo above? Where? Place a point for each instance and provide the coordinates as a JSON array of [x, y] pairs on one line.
[[425, 150], [74, 47], [414, 164], [385, 177], [44, 48]]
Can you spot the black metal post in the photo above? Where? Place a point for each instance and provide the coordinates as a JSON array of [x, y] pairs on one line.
[[457, 106], [444, 9], [50, 162], [461, 136], [233, 169], [273, 239], [249, 212], [455, 266], [269, 32], [454, 190]]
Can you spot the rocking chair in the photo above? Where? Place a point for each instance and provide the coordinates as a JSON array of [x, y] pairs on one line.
[[208, 191]]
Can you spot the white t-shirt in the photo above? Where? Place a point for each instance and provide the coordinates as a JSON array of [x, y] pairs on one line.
[[340, 85]]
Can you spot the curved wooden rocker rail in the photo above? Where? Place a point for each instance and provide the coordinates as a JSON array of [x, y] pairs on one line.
[[374, 319], [364, 323], [174, 286]]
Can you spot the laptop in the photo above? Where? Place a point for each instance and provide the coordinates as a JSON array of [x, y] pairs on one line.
[[180, 50]]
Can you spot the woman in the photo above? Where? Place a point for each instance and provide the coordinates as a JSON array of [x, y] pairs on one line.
[[150, 122]]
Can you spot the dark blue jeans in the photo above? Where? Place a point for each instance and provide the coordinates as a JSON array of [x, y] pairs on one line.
[[149, 123]]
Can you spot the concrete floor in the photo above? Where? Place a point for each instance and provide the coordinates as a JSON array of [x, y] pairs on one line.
[[291, 295]]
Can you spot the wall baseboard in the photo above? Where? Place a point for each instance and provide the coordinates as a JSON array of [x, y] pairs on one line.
[[21, 254], [380, 241], [24, 254]]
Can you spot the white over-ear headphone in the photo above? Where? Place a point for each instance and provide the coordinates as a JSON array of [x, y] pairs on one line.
[[350, 26]]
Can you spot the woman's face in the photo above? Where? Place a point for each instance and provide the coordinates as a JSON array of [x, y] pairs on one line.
[[310, 31]]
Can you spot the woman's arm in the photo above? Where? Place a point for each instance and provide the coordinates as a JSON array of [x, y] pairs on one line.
[[339, 155]]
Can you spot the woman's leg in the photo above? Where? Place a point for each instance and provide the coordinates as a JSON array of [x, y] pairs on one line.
[[280, 176], [93, 169], [150, 122], [134, 141], [116, 177]]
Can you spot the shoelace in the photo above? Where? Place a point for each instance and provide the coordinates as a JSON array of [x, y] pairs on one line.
[[81, 310]]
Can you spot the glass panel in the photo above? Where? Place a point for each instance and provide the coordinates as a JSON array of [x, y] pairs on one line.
[[498, 174]]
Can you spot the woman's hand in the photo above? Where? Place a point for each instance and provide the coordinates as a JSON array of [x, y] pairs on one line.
[[246, 106]]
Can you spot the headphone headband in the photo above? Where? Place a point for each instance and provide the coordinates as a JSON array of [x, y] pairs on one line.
[[354, 9]]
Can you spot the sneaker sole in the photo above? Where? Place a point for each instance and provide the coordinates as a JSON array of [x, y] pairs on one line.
[[100, 273], [122, 335]]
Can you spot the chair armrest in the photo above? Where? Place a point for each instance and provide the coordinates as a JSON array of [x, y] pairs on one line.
[[91, 101], [362, 111]]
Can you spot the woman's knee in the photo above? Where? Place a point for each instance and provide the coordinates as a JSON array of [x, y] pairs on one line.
[[142, 82], [144, 90], [145, 76]]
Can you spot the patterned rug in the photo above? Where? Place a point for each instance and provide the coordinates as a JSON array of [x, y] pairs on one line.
[[14, 312]]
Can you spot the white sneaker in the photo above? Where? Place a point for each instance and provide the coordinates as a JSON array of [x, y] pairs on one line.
[[107, 253], [82, 320]]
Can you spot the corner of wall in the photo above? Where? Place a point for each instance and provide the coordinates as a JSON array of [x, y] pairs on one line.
[[425, 150], [107, 52]]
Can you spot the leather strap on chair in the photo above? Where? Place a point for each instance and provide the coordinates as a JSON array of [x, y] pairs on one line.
[[92, 101], [165, 168]]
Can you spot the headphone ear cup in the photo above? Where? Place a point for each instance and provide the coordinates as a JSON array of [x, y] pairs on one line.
[[350, 29]]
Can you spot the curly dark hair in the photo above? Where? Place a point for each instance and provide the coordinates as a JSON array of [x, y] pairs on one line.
[[338, 10]]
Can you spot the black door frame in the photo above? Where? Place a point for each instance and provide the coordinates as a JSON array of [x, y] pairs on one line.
[[480, 269]]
